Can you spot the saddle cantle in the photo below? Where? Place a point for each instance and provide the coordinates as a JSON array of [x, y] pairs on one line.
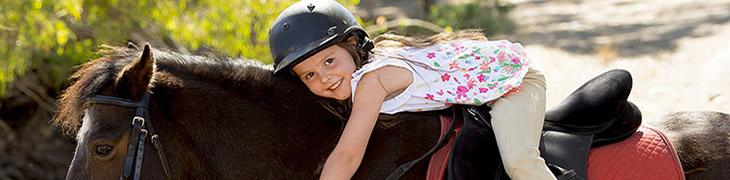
[[599, 107]]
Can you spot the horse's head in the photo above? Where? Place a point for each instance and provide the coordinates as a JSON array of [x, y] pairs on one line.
[[106, 123], [215, 116]]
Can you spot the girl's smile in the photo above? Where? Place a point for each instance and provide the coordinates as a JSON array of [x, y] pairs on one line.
[[328, 73]]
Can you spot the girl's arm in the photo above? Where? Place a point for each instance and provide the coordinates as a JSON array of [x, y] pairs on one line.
[[368, 98]]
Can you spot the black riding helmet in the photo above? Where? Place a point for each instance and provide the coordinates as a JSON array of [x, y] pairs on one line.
[[307, 27]]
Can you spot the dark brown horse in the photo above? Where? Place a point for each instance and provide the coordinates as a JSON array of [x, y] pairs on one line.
[[702, 140], [216, 118]]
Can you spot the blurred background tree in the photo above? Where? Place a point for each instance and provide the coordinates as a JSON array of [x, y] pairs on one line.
[[50, 36], [490, 16], [427, 17]]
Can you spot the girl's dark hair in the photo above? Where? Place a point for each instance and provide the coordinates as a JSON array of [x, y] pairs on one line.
[[358, 55]]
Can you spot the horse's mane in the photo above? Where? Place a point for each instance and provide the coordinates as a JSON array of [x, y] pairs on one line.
[[102, 72]]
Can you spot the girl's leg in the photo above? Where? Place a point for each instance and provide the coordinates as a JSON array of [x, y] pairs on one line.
[[517, 120]]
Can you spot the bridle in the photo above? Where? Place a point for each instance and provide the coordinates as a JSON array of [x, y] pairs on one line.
[[141, 127]]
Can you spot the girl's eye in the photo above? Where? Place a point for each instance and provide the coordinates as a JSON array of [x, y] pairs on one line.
[[309, 75], [328, 61]]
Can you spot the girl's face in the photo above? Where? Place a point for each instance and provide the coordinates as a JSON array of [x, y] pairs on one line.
[[328, 73]]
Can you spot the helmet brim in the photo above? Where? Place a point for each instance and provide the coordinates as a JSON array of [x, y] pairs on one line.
[[310, 49]]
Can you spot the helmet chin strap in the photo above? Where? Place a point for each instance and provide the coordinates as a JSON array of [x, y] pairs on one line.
[[367, 45], [365, 48]]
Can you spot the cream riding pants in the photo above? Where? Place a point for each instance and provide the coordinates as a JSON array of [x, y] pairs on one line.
[[517, 120]]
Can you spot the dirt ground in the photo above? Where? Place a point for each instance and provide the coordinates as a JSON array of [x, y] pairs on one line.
[[678, 51]]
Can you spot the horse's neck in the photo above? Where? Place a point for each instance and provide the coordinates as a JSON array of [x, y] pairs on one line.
[[230, 125]]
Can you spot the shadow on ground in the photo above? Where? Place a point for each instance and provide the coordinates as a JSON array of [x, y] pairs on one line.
[[630, 29]]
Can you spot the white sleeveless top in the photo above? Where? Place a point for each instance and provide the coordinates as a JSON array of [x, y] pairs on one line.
[[455, 72]]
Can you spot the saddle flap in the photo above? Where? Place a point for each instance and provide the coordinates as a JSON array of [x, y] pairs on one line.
[[569, 151]]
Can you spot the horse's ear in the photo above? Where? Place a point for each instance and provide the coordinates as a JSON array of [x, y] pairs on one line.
[[137, 76]]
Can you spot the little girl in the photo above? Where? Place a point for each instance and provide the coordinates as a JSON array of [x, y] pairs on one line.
[[321, 43]]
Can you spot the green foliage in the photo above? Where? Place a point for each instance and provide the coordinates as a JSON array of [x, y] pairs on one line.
[[488, 15], [51, 36]]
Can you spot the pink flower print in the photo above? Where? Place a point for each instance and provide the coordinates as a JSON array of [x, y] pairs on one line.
[[471, 83], [500, 56], [461, 91], [483, 90], [431, 55], [515, 60], [481, 77], [478, 58], [445, 77], [440, 92], [484, 66], [429, 96], [453, 65]]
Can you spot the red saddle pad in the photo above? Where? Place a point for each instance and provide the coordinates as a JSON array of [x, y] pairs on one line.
[[647, 154]]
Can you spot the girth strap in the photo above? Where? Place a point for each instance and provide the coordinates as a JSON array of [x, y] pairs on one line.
[[402, 169]]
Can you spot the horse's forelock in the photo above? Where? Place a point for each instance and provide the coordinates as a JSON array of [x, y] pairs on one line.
[[88, 81], [92, 76]]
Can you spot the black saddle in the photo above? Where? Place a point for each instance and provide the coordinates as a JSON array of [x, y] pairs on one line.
[[595, 114]]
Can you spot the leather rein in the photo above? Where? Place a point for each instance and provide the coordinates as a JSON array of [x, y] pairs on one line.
[[141, 127]]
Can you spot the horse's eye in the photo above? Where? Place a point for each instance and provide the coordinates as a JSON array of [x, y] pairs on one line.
[[103, 149]]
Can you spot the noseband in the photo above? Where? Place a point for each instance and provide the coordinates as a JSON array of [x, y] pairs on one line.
[[141, 127]]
